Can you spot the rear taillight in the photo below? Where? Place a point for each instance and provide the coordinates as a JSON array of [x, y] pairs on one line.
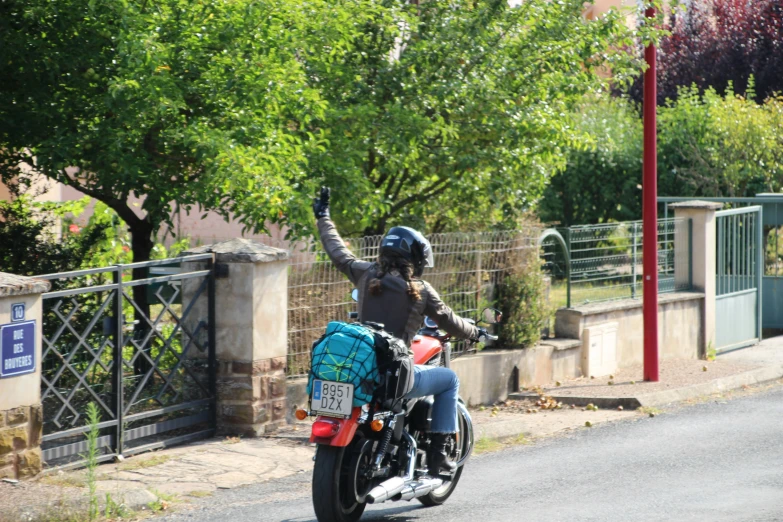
[[325, 428]]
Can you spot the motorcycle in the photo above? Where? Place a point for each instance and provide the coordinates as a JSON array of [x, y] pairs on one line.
[[378, 452]]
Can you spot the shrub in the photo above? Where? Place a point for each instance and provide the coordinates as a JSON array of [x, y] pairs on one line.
[[720, 145], [708, 145], [521, 296], [32, 244]]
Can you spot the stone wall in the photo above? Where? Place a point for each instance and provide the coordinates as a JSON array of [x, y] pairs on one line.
[[20, 441], [251, 396]]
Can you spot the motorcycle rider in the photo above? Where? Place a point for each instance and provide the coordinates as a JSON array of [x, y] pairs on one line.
[[392, 293]]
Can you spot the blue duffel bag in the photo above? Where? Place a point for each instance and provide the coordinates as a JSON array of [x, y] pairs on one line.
[[346, 353]]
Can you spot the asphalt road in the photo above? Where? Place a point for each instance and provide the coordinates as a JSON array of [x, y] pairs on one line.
[[717, 461]]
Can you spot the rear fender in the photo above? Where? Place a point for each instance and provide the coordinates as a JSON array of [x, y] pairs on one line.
[[343, 429]]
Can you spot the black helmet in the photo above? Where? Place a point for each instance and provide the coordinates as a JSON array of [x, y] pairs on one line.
[[411, 245]]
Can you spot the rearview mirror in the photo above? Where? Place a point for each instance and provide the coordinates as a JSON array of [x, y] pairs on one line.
[[355, 294], [491, 316]]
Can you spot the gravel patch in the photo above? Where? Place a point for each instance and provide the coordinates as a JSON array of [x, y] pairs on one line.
[[36, 501]]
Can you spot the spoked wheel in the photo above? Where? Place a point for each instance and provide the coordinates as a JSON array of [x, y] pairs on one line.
[[461, 447], [339, 485]]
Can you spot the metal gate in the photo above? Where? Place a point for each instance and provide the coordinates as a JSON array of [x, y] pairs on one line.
[[137, 340], [739, 267]]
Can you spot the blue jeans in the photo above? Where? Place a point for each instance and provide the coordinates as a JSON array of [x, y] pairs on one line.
[[444, 385]]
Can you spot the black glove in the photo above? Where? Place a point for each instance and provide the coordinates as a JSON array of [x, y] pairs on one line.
[[321, 204]]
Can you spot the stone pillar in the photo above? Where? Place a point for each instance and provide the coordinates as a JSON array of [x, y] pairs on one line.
[[21, 416], [703, 241], [251, 298]]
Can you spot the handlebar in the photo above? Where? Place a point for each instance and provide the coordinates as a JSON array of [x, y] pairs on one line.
[[488, 337]]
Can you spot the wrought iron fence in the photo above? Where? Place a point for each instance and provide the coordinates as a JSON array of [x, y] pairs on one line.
[[138, 341], [466, 267], [606, 261]]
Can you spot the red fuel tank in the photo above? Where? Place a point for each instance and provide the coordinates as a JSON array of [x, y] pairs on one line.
[[425, 348]]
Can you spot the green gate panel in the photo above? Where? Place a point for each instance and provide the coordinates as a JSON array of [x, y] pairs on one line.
[[772, 298], [736, 324]]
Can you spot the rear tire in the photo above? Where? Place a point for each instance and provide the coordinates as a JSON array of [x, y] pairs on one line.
[[334, 492]]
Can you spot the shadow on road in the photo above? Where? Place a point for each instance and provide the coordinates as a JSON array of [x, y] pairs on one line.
[[398, 514]]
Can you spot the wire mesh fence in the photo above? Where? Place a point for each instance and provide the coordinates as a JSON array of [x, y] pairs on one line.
[[605, 264], [467, 267], [606, 261]]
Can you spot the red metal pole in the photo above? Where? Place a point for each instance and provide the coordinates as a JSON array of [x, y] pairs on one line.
[[650, 215]]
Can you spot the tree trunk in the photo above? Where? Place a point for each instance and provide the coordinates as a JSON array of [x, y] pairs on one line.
[[141, 246]]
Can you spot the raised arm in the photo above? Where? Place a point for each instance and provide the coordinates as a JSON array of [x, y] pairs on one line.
[[345, 261], [445, 317], [341, 256]]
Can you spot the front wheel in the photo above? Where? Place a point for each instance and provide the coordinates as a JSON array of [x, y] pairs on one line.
[[338, 487]]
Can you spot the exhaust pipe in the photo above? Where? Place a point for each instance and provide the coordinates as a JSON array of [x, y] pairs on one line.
[[384, 491], [420, 488]]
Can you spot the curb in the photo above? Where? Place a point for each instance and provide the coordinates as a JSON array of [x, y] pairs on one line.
[[732, 382], [499, 430]]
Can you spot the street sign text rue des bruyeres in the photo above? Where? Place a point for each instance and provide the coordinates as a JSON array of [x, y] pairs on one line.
[[17, 344]]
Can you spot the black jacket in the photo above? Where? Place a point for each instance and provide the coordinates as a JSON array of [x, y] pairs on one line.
[[401, 316]]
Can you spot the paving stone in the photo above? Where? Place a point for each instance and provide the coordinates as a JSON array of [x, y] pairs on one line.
[[110, 486], [232, 479]]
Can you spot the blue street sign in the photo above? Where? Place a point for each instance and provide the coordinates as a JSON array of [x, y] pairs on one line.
[[17, 349], [17, 312]]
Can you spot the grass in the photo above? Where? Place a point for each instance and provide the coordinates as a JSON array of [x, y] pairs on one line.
[[486, 446], [584, 291], [156, 460], [649, 410], [91, 458], [521, 439], [164, 496], [162, 503]]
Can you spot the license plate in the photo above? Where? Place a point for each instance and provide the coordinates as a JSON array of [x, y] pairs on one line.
[[332, 398]]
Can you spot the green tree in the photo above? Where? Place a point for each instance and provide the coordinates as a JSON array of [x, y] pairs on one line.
[[171, 101], [708, 145], [720, 145], [452, 115], [193, 103], [601, 182]]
